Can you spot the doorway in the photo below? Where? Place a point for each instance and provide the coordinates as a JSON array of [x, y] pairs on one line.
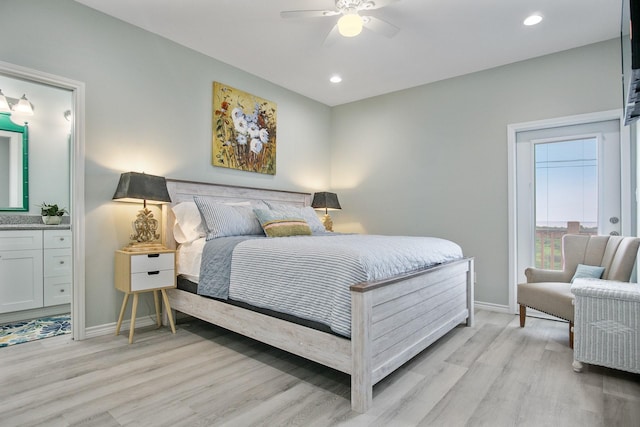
[[76, 178], [567, 175]]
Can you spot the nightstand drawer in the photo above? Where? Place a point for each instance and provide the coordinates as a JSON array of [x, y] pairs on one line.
[[152, 262], [138, 272], [152, 279]]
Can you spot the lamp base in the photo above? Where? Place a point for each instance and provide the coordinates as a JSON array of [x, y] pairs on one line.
[[145, 227], [327, 222], [144, 247]]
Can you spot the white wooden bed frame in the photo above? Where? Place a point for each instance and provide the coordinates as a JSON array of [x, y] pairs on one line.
[[391, 320]]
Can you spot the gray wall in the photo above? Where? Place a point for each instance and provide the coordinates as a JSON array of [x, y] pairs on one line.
[[427, 161], [433, 160], [148, 108]]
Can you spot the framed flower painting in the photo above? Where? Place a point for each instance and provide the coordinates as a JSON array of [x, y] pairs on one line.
[[244, 131]]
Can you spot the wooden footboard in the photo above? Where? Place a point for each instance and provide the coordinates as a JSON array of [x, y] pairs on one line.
[[392, 321]]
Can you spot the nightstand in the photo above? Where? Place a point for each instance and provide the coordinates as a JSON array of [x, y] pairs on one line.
[[137, 272]]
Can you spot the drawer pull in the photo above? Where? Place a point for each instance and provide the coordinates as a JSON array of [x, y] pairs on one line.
[[151, 273], [153, 255], [61, 262], [62, 239], [62, 291]]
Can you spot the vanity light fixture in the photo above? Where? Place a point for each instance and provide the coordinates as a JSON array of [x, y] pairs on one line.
[[4, 104], [134, 187], [18, 106], [335, 79], [23, 106]]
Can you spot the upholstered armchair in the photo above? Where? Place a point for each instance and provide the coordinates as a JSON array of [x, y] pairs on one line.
[[549, 291]]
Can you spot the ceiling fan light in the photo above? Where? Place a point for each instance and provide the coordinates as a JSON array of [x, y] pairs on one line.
[[350, 25]]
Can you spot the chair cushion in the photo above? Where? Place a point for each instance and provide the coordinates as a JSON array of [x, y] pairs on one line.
[[587, 272], [554, 298]]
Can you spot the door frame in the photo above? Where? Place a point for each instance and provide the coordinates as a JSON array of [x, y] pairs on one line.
[[77, 89], [625, 184]]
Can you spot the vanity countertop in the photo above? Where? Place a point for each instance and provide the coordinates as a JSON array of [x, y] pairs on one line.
[[5, 227], [30, 222]]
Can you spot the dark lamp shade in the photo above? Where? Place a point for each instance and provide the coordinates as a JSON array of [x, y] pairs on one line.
[[325, 200], [134, 186]]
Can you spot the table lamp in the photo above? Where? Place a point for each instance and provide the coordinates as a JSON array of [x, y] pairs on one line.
[[325, 200], [133, 187]]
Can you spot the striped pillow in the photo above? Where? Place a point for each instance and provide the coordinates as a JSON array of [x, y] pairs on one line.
[[307, 213], [279, 224], [222, 220]]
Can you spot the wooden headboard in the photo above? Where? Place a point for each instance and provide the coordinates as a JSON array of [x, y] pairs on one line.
[[183, 191]]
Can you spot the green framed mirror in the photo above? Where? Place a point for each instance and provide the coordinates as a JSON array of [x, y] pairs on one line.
[[14, 165]]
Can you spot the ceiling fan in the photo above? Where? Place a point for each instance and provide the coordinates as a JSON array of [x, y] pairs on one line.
[[352, 21]]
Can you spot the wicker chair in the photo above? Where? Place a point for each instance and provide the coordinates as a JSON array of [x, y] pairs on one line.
[[549, 291], [607, 324]]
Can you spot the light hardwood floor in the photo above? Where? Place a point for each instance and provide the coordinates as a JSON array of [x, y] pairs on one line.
[[495, 374]]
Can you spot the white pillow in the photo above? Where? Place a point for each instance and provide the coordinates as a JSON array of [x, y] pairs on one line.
[[188, 225]]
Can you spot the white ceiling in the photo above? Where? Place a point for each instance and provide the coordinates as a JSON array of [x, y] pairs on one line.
[[438, 39]]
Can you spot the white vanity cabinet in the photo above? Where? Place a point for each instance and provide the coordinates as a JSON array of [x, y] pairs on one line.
[[35, 269], [57, 267], [20, 270]]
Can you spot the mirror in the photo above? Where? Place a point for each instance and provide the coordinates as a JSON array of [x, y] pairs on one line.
[[14, 165]]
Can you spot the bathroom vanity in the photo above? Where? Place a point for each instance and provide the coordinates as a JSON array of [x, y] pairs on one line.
[[35, 266]]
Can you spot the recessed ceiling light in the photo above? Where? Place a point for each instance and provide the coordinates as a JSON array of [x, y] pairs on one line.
[[335, 79], [533, 20]]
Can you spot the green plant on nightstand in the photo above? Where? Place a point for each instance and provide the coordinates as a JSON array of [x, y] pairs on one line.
[[51, 214]]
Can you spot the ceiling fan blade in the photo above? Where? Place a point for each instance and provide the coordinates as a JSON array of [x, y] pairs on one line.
[[332, 37], [376, 4], [379, 26], [307, 13]]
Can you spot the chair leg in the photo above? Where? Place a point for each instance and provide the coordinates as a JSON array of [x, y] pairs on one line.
[[523, 314], [571, 335]]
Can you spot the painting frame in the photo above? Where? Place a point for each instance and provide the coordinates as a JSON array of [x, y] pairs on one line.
[[244, 128]]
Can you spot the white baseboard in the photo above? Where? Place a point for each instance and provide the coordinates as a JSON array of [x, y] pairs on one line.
[[16, 316], [110, 328], [489, 306]]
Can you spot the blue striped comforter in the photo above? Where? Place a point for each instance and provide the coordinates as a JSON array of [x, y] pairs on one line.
[[309, 276]]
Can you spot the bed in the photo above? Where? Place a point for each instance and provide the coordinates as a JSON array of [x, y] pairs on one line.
[[392, 320]]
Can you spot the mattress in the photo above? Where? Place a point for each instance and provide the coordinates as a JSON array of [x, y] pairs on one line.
[[189, 258], [309, 277]]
